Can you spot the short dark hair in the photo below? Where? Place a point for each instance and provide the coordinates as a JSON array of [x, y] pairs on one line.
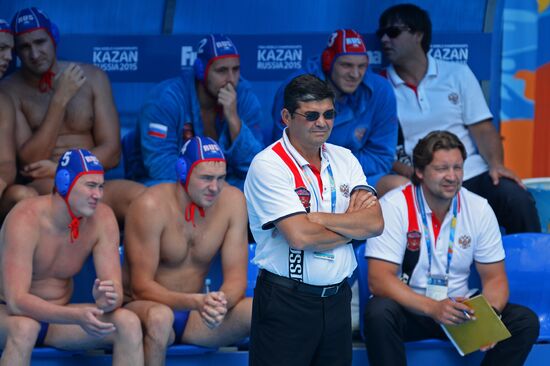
[[413, 17], [306, 88], [424, 150]]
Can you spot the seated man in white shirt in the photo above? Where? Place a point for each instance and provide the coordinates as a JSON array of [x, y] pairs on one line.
[[434, 230], [438, 95]]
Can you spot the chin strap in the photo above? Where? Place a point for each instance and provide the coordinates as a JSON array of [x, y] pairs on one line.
[[190, 212], [45, 83], [75, 223]]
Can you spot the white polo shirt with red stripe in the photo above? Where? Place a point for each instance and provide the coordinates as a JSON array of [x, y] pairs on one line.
[[477, 238], [270, 194], [448, 98]]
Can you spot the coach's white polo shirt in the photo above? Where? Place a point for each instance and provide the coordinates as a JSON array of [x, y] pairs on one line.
[[269, 190], [477, 238], [448, 98]]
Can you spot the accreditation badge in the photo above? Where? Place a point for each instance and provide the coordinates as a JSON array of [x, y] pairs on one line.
[[327, 255], [438, 287]]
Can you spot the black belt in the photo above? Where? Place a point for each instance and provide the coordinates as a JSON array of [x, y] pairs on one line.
[[321, 291]]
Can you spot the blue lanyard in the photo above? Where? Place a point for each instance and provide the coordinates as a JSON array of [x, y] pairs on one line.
[[332, 190], [427, 237]]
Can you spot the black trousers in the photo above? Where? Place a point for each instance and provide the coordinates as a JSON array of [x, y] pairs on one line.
[[514, 206], [388, 325], [292, 328]]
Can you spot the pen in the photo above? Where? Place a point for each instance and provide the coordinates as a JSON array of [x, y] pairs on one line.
[[466, 314], [207, 285]]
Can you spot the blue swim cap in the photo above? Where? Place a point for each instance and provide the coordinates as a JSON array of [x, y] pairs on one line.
[[196, 150], [5, 27], [72, 165], [31, 19], [210, 49]]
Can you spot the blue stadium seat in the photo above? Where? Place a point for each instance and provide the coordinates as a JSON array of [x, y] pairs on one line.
[[252, 271], [528, 269], [362, 280]]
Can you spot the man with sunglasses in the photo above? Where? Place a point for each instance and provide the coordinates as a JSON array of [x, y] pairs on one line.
[[306, 200], [366, 119], [437, 95]]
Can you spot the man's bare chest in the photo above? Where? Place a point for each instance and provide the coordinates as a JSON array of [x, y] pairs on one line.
[[77, 116]]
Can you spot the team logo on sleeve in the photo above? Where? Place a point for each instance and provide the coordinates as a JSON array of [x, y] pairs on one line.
[[464, 241], [453, 98], [344, 189], [305, 197], [413, 241]]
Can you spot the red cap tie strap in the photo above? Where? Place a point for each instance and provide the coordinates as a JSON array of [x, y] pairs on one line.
[[190, 212], [45, 83]]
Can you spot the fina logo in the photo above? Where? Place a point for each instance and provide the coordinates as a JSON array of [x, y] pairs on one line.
[[450, 52], [279, 57], [116, 58], [188, 56]]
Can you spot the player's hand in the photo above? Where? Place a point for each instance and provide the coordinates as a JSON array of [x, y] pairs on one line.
[[105, 295], [213, 309], [39, 169], [361, 199], [488, 348], [227, 98], [449, 312], [68, 82], [89, 321], [500, 171]]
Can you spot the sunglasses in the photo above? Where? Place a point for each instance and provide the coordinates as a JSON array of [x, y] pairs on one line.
[[314, 116], [392, 32]]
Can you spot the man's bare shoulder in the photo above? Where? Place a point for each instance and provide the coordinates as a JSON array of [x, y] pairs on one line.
[[28, 213], [5, 101], [104, 213], [13, 85], [154, 198], [93, 73], [231, 200]]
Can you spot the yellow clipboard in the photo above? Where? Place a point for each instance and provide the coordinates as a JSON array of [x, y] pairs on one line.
[[485, 330]]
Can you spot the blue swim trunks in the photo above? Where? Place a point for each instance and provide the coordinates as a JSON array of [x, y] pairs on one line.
[[180, 321]]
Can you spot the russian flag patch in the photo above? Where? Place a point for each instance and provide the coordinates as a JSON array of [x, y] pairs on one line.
[[157, 130]]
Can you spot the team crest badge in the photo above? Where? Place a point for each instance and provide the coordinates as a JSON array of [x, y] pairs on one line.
[[453, 98], [344, 189], [305, 197], [413, 241], [464, 241]]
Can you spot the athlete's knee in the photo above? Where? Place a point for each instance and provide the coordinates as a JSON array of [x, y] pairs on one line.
[[23, 331], [158, 323], [17, 193], [127, 325]]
